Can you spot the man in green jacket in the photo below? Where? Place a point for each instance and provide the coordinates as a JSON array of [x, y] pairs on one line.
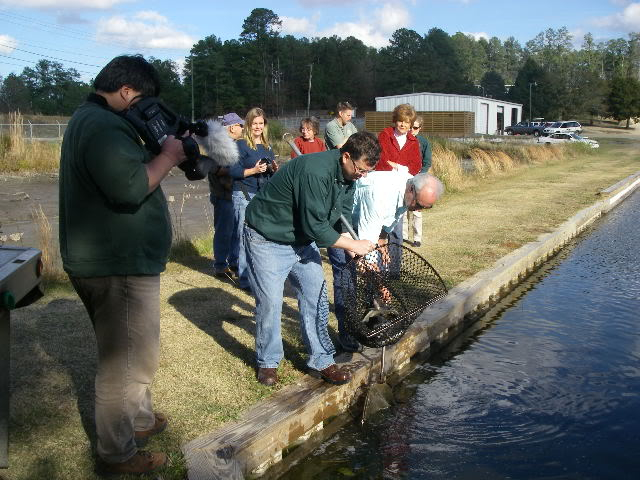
[[115, 234], [297, 212]]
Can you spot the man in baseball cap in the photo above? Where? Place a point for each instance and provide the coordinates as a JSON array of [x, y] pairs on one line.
[[230, 119], [224, 263]]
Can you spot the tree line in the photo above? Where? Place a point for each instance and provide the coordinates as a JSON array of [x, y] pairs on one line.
[[281, 73]]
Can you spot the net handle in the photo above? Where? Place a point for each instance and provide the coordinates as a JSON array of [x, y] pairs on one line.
[[349, 228]]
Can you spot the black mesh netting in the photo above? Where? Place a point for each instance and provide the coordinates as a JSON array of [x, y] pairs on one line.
[[385, 291]]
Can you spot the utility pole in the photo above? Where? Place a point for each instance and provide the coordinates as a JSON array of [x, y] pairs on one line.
[[309, 90], [530, 84], [193, 114]]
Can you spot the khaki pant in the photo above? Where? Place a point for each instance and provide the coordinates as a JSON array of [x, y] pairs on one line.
[[412, 226], [125, 313]]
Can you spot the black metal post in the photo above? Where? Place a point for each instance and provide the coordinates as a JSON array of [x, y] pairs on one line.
[[4, 386]]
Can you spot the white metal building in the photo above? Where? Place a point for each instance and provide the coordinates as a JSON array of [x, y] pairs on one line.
[[491, 115]]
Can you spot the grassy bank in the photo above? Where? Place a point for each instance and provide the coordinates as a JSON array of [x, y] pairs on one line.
[[206, 375]]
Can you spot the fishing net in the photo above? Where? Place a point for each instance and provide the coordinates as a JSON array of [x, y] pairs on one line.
[[385, 291]]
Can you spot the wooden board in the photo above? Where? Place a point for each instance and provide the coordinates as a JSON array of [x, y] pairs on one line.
[[441, 124]]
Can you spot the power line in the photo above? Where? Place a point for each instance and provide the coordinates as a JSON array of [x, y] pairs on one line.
[[47, 56], [31, 61], [82, 33], [22, 42]]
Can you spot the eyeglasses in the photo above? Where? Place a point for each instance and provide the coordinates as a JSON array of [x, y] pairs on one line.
[[415, 199], [415, 128], [360, 171]]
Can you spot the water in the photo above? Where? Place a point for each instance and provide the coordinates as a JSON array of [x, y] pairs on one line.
[[545, 386]]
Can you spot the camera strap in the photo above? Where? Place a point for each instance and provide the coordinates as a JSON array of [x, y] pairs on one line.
[[243, 188]]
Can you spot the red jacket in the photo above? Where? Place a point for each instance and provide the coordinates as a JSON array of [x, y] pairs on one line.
[[409, 155]]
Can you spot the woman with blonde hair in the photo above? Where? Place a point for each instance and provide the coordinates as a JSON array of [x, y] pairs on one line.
[[255, 166]]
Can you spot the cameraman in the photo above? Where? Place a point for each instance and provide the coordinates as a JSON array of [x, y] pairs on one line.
[[115, 235], [250, 174]]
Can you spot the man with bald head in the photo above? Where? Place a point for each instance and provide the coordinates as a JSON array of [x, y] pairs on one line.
[[380, 200]]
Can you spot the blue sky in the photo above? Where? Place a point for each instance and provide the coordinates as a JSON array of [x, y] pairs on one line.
[[85, 34]]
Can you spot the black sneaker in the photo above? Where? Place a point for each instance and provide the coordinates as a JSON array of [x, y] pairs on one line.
[[349, 344]]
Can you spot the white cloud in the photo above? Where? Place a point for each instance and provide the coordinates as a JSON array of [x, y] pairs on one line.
[[7, 44], [374, 28], [390, 17], [477, 35], [147, 29], [63, 4], [303, 26], [627, 20]]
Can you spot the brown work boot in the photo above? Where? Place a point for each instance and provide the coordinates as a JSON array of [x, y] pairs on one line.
[[268, 376], [143, 436], [142, 462], [332, 374]]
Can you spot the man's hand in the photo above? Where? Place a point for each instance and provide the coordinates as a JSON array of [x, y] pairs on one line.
[[172, 154], [362, 247], [172, 147], [358, 247]]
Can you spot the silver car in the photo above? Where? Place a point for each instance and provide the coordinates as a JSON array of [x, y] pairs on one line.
[[567, 137], [564, 127]]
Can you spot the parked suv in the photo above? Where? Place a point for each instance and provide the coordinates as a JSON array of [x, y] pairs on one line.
[[563, 127], [525, 128]]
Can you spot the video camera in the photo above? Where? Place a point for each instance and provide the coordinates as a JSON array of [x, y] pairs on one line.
[[154, 121]]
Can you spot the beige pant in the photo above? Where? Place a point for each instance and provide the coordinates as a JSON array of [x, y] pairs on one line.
[[412, 226], [125, 312]]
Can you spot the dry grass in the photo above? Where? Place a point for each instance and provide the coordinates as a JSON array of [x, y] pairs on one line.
[[447, 167], [52, 273], [206, 373], [20, 155], [490, 159]]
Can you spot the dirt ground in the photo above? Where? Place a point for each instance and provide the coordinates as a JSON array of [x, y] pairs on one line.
[[20, 195]]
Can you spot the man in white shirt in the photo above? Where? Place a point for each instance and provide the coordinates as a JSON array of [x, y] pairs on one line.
[[380, 200]]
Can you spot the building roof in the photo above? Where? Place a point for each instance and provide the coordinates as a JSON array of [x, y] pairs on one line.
[[448, 95]]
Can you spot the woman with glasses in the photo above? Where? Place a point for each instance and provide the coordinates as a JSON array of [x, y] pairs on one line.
[[412, 220], [308, 141]]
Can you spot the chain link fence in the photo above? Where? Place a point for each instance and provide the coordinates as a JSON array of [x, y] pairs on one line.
[[55, 131], [37, 131]]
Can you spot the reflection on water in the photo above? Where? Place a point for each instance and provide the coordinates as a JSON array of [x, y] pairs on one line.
[[547, 385]]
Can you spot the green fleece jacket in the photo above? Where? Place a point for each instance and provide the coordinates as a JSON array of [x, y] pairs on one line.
[[303, 201], [109, 223]]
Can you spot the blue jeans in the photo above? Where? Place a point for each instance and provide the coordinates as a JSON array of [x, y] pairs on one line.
[[238, 251], [223, 225], [338, 259], [269, 265]]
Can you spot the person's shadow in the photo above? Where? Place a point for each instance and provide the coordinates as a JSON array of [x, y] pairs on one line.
[[209, 308], [50, 339]]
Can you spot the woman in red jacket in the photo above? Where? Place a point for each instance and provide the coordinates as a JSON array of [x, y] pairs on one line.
[[400, 149]]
